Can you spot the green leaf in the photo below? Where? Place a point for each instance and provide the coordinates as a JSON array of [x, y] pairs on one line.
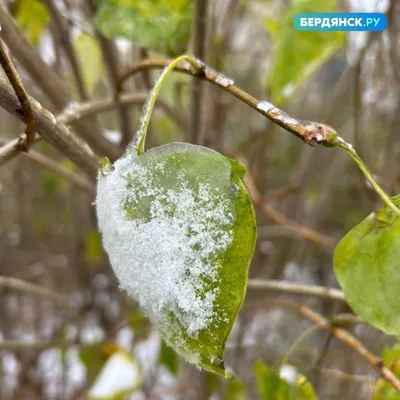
[[120, 376], [169, 358], [236, 390], [158, 24], [367, 263], [140, 325], [92, 245], [272, 387], [32, 17], [90, 59], [297, 55], [384, 390], [180, 230], [93, 358]]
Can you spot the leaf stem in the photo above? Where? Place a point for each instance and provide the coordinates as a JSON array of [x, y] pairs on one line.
[[295, 344], [382, 194], [139, 139]]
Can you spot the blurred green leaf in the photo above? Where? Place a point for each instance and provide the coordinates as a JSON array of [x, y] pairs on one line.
[[236, 390], [93, 358], [297, 55], [384, 390], [272, 387], [140, 325], [212, 381], [32, 17], [158, 24], [90, 59], [93, 247], [51, 182], [169, 358]]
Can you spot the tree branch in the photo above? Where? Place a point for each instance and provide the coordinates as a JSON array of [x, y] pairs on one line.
[[199, 50], [48, 81], [30, 288], [279, 218], [53, 165], [38, 345], [85, 110], [311, 133], [112, 61], [346, 337], [56, 134], [12, 75], [296, 288], [64, 38]]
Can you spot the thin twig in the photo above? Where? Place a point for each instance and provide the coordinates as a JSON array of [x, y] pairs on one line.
[[38, 345], [25, 104], [53, 165], [311, 133], [279, 218], [55, 133], [54, 88], [78, 112], [297, 289], [64, 37], [30, 288], [346, 337], [199, 50], [112, 60]]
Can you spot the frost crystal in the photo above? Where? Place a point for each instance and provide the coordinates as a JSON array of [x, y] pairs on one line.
[[164, 232]]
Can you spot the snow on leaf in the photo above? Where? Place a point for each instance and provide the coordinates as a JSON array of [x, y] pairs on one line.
[[179, 228]]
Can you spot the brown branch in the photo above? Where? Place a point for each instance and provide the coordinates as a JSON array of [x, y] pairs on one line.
[[77, 112], [85, 110], [48, 81], [112, 60], [30, 288], [279, 218], [70, 176], [346, 337], [296, 289], [12, 75], [199, 50], [55, 133], [53, 165], [311, 133], [64, 37], [38, 345]]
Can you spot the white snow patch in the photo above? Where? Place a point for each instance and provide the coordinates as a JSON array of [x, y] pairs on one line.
[[289, 373], [120, 374], [164, 262]]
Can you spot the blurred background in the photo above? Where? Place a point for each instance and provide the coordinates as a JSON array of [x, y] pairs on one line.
[[70, 52]]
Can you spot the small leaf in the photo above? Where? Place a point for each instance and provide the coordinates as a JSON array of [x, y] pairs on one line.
[[169, 358], [120, 376], [296, 55], [272, 387], [92, 246], [32, 17], [180, 230], [236, 390], [367, 264], [90, 59], [158, 24], [93, 358], [384, 390]]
